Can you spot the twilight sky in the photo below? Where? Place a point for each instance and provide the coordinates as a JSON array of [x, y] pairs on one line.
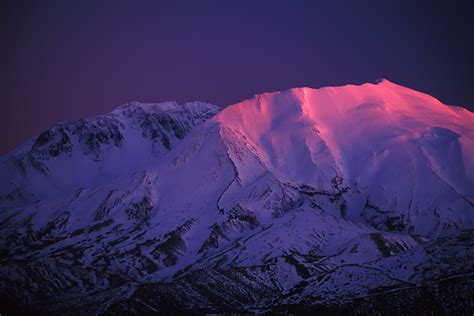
[[65, 60]]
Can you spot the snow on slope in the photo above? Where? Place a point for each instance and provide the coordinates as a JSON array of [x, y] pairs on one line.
[[289, 185], [408, 153], [72, 155]]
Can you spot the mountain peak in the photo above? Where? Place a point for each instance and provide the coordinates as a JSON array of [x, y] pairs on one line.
[[336, 129], [381, 81], [383, 98], [168, 106]]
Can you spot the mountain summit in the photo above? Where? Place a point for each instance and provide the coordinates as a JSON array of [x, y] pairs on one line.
[[312, 198]]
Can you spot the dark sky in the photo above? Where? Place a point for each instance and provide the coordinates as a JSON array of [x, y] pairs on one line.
[[64, 60]]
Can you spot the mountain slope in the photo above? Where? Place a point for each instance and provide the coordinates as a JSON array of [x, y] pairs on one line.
[[71, 155], [385, 139], [276, 200]]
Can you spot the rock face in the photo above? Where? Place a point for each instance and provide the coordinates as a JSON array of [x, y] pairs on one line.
[[336, 199]]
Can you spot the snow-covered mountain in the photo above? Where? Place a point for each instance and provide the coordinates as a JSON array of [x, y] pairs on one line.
[[330, 199], [73, 155]]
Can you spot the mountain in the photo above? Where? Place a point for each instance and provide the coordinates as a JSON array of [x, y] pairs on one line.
[[72, 155], [338, 199]]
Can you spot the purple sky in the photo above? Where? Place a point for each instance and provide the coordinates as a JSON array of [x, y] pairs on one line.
[[64, 60]]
